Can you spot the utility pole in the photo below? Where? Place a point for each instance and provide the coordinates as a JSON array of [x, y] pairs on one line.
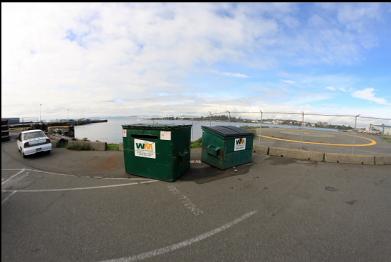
[[229, 116], [355, 121], [260, 126], [40, 116]]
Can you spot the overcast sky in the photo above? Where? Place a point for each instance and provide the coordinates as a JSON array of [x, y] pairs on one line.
[[129, 59]]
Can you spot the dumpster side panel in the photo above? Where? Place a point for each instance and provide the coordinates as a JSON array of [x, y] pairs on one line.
[[181, 150], [213, 149]]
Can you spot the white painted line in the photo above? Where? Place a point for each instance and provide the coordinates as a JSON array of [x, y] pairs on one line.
[[185, 201], [20, 172], [183, 244], [97, 177], [196, 161], [11, 169], [8, 197], [51, 173], [76, 188]]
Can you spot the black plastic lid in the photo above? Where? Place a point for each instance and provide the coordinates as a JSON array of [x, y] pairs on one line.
[[154, 127], [228, 131]]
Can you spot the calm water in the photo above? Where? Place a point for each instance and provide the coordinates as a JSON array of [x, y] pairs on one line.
[[111, 131]]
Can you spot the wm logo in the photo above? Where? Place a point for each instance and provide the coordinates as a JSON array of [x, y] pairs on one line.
[[144, 146], [240, 141]]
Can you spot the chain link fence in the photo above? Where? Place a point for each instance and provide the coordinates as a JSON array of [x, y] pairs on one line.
[[349, 134]]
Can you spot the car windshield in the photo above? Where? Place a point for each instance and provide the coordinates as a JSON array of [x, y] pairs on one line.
[[32, 135]]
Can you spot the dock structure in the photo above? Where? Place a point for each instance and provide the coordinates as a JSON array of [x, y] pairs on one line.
[[65, 127], [4, 130]]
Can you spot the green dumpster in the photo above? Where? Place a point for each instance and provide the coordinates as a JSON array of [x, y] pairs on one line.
[[226, 146], [157, 151]]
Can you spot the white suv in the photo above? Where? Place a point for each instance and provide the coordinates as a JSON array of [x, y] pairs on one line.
[[33, 141]]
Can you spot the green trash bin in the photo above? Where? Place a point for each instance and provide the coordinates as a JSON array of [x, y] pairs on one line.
[[226, 146], [157, 151]]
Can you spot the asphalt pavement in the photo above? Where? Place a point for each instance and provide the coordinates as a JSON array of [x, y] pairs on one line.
[[336, 141], [82, 206]]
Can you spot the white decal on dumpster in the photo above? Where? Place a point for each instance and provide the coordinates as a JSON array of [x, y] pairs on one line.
[[240, 144], [144, 148], [165, 135], [123, 132]]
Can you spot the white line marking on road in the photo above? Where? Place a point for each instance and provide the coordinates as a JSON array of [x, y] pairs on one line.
[[63, 174], [76, 188], [185, 201], [183, 244], [11, 169], [8, 197], [8, 179]]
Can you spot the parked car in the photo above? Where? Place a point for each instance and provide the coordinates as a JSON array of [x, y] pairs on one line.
[[33, 141]]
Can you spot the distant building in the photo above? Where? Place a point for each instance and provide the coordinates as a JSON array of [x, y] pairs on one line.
[[383, 129], [321, 124], [12, 120], [4, 130], [387, 130]]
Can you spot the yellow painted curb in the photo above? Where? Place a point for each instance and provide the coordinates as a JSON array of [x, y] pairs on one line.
[[372, 142]]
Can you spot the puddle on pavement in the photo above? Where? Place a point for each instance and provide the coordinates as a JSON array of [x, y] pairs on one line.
[[351, 202], [330, 188]]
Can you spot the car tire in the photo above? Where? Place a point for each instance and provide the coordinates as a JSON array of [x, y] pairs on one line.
[[24, 156]]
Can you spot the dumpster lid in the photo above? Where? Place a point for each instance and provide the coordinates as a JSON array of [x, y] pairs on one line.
[[228, 130], [155, 126]]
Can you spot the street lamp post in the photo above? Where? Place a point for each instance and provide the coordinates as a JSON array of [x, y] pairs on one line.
[[260, 126], [355, 121], [40, 116]]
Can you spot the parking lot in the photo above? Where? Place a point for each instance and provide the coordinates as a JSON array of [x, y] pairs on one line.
[[324, 141], [82, 206]]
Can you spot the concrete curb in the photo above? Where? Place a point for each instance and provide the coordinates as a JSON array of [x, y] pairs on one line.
[[296, 153], [382, 160], [349, 159], [261, 149], [323, 156]]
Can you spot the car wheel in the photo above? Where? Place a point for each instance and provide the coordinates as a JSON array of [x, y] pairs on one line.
[[24, 156]]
